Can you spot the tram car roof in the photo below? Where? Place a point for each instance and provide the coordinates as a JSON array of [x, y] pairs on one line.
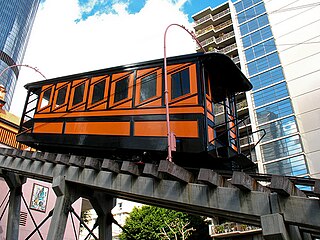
[[218, 65]]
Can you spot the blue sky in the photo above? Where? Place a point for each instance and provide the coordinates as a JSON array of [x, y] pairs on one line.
[[190, 7]]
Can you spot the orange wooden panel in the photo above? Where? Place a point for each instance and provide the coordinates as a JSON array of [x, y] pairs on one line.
[[61, 108], [210, 116], [78, 107], [153, 103], [210, 134], [48, 127], [125, 112], [176, 67], [76, 82], [159, 128], [117, 76], [209, 105], [99, 106], [188, 101], [98, 128], [124, 104], [147, 70], [98, 78]]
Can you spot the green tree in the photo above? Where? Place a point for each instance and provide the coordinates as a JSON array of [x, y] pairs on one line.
[[149, 222]]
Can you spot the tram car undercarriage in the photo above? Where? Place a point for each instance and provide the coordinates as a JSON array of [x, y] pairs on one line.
[[120, 112]]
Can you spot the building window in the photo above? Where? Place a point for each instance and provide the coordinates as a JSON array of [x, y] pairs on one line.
[[294, 166], [257, 36], [267, 78], [270, 94], [148, 87], [274, 111], [251, 13], [78, 94], [281, 148], [180, 83], [263, 63], [260, 50], [121, 91], [241, 5], [61, 97], [98, 91], [280, 128], [254, 24], [45, 98]]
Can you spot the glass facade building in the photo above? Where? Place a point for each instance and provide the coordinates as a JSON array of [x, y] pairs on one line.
[[16, 20], [281, 148], [274, 43]]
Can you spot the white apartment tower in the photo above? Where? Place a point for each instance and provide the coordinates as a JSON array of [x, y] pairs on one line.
[[277, 44]]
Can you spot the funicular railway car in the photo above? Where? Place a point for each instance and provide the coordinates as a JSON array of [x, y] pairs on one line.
[[120, 112]]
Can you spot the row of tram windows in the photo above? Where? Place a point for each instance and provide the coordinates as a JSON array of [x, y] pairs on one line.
[[91, 92]]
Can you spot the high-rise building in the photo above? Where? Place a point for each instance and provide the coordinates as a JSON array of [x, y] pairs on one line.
[[277, 46], [16, 20]]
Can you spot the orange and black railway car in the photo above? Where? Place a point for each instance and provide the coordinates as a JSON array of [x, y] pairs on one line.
[[120, 111]]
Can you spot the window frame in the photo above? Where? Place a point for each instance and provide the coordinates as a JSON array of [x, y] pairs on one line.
[[43, 90], [104, 100], [75, 85], [192, 80], [63, 106], [143, 73], [114, 80]]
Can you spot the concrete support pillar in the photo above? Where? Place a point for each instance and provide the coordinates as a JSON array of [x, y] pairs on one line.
[[65, 197], [294, 232], [15, 183], [103, 204], [273, 227]]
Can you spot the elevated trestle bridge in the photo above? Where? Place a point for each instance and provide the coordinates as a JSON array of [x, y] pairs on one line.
[[278, 206]]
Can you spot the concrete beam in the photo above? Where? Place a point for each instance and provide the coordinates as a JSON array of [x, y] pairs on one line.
[[195, 198], [26, 154], [110, 165], [130, 168], [273, 227], [94, 163], [38, 156], [243, 181], [175, 172], [50, 157], [77, 161], [210, 177], [151, 170], [63, 158], [284, 186]]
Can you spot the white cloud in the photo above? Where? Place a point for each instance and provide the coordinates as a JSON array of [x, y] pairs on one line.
[[60, 46]]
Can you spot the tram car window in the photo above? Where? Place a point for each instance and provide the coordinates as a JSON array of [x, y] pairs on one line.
[[120, 112]]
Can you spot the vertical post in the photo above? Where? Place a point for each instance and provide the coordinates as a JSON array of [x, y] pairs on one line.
[[65, 198], [170, 135], [103, 204], [15, 183]]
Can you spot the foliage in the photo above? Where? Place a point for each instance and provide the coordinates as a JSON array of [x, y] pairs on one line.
[[149, 222]]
